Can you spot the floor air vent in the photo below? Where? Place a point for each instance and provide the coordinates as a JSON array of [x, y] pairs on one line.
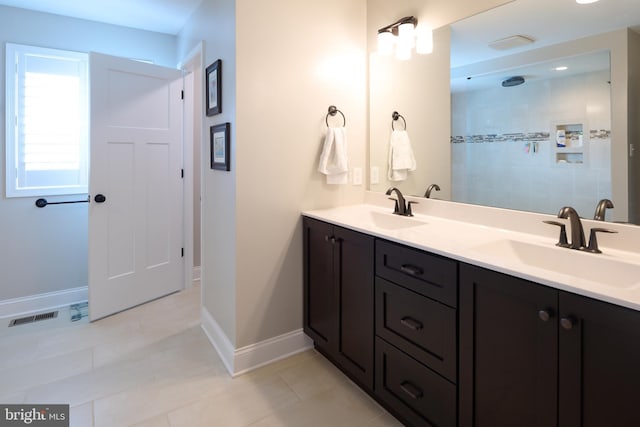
[[35, 318]]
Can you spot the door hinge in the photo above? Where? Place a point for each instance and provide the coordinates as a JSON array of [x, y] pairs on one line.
[[181, 94], [182, 252]]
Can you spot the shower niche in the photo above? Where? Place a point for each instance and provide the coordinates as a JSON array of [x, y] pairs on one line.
[[570, 144]]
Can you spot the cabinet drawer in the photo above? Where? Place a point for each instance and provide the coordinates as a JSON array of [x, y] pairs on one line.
[[419, 395], [427, 274], [419, 326]]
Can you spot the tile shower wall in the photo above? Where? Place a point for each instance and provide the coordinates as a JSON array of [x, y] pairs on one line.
[[504, 144]]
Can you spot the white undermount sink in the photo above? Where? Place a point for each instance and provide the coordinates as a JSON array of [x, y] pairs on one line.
[[592, 267], [390, 221]]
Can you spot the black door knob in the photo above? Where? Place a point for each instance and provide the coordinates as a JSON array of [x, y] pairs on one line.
[[100, 198]]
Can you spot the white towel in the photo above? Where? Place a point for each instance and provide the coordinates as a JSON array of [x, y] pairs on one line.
[[401, 159], [334, 160]]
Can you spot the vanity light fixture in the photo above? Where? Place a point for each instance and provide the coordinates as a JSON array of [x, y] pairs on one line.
[[586, 1], [403, 36]]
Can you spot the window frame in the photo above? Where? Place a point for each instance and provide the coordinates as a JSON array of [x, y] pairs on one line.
[[13, 188]]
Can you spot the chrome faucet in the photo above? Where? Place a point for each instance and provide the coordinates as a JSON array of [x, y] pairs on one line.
[[432, 187], [402, 207], [577, 232], [601, 209]]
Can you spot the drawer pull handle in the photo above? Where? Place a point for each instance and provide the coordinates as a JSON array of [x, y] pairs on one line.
[[411, 323], [411, 390], [411, 269]]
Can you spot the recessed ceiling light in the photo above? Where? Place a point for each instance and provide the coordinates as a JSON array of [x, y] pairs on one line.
[[563, 68], [585, 1]]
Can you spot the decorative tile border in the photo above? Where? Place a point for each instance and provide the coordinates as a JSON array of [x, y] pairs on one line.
[[599, 134], [594, 134], [505, 137]]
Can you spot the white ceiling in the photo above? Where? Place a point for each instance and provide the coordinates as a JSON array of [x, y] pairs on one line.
[[163, 16], [548, 22]]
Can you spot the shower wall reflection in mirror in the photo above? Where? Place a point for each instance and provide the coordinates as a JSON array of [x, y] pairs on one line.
[[534, 138]]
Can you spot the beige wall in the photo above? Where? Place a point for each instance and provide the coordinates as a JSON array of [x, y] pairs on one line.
[[284, 63], [294, 60]]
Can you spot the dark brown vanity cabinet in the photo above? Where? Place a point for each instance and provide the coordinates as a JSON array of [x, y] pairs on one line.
[[338, 296], [444, 343], [531, 355], [416, 334]]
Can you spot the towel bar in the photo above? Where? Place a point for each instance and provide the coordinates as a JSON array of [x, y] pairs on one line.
[[41, 203], [395, 116], [333, 110]]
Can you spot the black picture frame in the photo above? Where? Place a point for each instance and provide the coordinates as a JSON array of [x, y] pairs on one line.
[[214, 88], [220, 142]]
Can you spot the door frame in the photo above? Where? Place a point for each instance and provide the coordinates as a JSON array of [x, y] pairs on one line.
[[192, 138]]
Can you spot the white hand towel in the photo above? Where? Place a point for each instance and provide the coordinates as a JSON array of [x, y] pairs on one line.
[[401, 159], [334, 160]]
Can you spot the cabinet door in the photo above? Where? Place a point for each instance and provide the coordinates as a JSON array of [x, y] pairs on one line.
[[508, 351], [354, 279], [599, 363], [319, 297]]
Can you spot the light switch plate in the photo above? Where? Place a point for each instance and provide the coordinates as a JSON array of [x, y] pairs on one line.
[[375, 175], [357, 176]]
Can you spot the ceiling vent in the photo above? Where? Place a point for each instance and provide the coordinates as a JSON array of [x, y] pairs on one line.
[[511, 42], [513, 81]]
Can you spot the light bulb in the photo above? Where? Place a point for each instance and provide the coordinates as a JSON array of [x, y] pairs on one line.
[[386, 41], [406, 36], [424, 39], [403, 52]]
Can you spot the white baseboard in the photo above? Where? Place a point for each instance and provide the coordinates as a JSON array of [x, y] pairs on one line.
[[42, 302], [253, 356], [218, 338], [268, 351]]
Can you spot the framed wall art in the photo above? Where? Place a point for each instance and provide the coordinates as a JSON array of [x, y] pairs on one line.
[[214, 88], [220, 146]]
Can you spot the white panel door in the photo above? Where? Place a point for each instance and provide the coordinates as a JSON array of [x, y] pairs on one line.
[[135, 213]]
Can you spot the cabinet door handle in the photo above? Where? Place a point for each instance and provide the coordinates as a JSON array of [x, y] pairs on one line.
[[411, 323], [411, 390], [411, 269], [330, 239], [568, 322], [545, 315]]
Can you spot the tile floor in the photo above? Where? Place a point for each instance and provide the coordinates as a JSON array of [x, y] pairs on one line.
[[153, 366]]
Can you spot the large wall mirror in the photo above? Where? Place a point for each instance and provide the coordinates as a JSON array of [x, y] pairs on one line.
[[526, 106]]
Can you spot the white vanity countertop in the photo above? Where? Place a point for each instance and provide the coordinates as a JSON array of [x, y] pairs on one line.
[[613, 276]]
